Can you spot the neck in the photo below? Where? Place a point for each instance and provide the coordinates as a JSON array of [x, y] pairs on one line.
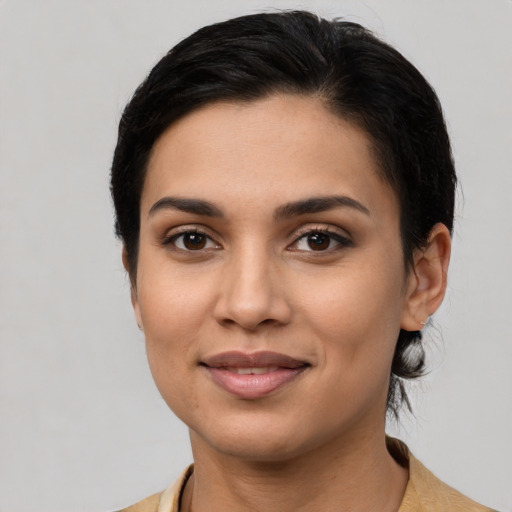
[[356, 474]]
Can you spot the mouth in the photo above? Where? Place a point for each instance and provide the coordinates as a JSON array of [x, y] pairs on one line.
[[255, 375]]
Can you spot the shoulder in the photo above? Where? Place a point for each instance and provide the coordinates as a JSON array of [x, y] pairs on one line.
[[426, 493], [149, 504], [435, 495], [167, 501]]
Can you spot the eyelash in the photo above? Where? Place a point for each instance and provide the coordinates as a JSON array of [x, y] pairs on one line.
[[341, 241], [171, 239]]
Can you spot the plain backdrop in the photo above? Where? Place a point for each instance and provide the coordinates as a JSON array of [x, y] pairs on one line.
[[82, 425]]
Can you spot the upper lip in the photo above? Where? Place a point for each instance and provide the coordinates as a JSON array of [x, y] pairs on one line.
[[262, 359]]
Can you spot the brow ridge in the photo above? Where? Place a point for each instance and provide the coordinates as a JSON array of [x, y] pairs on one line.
[[317, 205], [309, 205], [188, 205]]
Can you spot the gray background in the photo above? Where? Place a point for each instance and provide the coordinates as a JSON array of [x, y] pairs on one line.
[[82, 426]]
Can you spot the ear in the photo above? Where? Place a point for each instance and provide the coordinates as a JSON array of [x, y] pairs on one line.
[[426, 284], [133, 289]]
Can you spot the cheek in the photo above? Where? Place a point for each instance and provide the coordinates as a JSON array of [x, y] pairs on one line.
[[356, 316], [172, 301], [173, 308]]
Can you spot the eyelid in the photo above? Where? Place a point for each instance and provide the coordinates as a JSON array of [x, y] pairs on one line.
[[172, 234], [339, 235], [336, 233]]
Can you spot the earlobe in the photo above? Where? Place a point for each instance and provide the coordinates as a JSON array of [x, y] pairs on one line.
[[136, 308], [133, 289], [427, 280], [126, 260]]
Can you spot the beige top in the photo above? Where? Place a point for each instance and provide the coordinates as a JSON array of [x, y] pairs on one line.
[[424, 492]]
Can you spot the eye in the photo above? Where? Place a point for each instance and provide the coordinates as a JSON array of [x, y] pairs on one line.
[[191, 241], [320, 241]]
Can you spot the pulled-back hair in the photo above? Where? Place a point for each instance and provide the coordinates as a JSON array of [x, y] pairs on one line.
[[355, 74]]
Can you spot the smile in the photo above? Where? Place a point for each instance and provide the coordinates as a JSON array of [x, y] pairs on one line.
[[253, 371], [253, 376]]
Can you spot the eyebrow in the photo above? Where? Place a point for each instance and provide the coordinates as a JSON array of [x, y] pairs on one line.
[[317, 205], [292, 209], [195, 206]]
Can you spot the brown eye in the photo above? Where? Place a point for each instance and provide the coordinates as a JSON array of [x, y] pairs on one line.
[[318, 241], [194, 241], [321, 241]]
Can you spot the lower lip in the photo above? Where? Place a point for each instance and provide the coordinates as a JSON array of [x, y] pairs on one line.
[[253, 386]]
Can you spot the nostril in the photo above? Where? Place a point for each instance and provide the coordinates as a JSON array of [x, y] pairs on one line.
[[248, 325], [268, 321]]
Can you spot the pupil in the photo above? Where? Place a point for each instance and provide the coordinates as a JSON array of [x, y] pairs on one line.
[[318, 241], [194, 241]]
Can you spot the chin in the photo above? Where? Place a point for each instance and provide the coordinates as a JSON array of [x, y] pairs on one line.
[[258, 448], [258, 441]]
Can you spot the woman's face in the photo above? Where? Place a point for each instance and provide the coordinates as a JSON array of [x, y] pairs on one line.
[[270, 281]]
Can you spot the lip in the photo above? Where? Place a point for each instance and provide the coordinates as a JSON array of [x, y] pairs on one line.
[[281, 370]]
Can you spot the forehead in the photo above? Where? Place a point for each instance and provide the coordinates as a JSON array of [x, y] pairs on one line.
[[274, 149]]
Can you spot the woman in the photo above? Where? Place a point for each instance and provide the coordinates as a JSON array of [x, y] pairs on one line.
[[284, 191]]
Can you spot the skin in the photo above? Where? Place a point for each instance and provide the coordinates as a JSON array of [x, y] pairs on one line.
[[318, 442]]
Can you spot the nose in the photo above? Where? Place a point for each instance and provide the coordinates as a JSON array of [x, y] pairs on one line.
[[252, 292]]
